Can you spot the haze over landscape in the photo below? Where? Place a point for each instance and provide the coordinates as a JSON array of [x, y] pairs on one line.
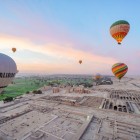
[[51, 36]]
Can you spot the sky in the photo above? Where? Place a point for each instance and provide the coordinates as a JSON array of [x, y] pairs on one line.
[[51, 36]]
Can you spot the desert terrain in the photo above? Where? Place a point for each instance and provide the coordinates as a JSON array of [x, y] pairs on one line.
[[101, 112]]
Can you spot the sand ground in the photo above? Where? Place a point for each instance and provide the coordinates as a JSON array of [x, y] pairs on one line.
[[53, 116]]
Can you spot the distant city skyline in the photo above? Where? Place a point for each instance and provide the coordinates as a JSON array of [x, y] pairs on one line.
[[51, 36]]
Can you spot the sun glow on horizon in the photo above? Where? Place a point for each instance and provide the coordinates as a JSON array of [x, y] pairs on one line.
[[53, 41]]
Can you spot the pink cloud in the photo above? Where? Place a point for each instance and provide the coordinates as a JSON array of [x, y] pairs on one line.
[[34, 28], [66, 56]]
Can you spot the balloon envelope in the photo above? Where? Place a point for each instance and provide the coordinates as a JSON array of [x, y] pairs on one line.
[[14, 49], [97, 76], [80, 61], [119, 70], [8, 70], [119, 30]]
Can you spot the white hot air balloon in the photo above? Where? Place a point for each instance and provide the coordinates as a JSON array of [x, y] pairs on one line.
[[8, 70]]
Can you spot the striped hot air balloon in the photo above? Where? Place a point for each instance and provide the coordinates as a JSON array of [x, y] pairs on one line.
[[119, 70], [119, 30]]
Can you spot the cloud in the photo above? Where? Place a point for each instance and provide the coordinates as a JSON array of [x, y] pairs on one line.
[[27, 23], [66, 57]]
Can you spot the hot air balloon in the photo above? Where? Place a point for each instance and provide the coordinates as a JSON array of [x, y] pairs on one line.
[[80, 61], [119, 30], [119, 70], [8, 70], [14, 49], [97, 76]]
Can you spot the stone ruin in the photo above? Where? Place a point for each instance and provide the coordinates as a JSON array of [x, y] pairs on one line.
[[80, 89], [56, 89], [45, 88], [122, 101]]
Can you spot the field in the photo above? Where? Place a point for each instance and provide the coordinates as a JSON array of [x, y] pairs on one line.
[[21, 85]]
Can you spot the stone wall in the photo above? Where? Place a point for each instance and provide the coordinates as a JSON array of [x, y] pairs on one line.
[[45, 88], [79, 89], [56, 89]]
